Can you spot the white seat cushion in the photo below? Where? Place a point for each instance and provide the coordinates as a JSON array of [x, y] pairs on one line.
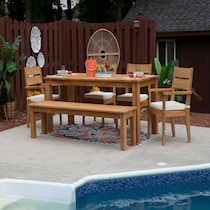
[[99, 95], [36, 98], [41, 97], [128, 97], [170, 105], [55, 97]]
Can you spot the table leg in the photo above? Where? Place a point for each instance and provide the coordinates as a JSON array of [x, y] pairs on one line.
[[154, 117], [135, 102]]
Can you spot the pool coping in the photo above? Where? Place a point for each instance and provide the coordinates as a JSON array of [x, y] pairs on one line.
[[37, 190], [59, 192], [139, 173]]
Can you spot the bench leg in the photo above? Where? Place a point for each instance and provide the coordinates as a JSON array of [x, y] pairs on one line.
[[123, 133], [32, 116], [44, 123]]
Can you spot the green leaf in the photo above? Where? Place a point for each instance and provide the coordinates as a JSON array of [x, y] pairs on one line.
[[198, 97], [1, 67], [158, 66], [2, 39], [7, 84], [16, 43], [8, 53], [11, 66], [21, 58], [179, 98]]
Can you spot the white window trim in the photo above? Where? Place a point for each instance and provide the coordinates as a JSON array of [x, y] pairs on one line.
[[166, 49]]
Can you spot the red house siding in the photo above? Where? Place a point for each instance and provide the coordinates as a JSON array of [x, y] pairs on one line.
[[195, 52]]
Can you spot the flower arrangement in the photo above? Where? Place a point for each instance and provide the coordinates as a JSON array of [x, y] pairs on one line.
[[95, 89], [34, 92], [101, 68]]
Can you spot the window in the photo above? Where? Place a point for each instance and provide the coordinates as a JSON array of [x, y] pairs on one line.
[[166, 51]]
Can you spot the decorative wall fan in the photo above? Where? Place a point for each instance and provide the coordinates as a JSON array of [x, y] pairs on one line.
[[103, 46]]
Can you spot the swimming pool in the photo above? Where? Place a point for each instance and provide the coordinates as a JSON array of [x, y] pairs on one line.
[[17, 194], [180, 188]]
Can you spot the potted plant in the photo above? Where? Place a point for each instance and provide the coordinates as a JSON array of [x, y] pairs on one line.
[[165, 72], [166, 76], [8, 65]]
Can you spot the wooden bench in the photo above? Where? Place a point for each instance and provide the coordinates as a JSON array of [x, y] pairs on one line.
[[85, 109]]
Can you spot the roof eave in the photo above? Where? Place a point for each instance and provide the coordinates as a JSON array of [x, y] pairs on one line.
[[182, 33]]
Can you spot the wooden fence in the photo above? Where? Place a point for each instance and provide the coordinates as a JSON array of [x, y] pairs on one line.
[[65, 42]]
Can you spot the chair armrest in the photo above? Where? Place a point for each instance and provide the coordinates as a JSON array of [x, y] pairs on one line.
[[160, 89], [154, 93], [177, 93]]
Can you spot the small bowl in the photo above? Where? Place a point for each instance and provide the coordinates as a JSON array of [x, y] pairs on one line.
[[130, 75], [139, 73], [62, 72], [136, 74]]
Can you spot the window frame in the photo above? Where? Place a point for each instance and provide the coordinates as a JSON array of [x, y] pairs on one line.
[[166, 42]]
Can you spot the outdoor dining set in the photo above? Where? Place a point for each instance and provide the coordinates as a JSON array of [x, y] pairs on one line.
[[140, 89]]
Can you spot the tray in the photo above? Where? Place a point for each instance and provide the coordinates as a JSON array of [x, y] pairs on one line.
[[104, 75]]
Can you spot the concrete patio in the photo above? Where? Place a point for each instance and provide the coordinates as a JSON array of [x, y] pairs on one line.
[[60, 160]]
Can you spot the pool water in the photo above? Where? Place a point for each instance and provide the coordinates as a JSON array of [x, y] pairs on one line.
[[188, 190], [29, 204]]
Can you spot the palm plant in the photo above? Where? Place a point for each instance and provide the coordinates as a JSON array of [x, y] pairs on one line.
[[8, 62], [166, 76], [165, 72]]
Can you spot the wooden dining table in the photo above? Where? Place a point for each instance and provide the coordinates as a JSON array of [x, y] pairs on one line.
[[117, 81]]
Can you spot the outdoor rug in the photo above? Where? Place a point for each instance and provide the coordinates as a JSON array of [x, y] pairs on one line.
[[96, 133]]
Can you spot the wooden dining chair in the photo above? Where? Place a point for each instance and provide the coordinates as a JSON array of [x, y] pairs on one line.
[[126, 98], [35, 88], [168, 106]]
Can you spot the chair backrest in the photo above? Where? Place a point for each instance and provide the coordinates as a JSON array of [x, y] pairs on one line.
[[182, 78], [33, 78], [146, 68]]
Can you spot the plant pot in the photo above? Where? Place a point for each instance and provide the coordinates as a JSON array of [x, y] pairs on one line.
[[10, 107]]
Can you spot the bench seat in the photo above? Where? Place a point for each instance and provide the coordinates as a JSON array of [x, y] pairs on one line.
[[85, 109]]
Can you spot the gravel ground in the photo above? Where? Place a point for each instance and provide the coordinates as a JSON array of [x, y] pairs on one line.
[[197, 119]]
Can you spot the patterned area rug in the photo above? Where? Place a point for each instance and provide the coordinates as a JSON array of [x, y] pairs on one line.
[[95, 133]]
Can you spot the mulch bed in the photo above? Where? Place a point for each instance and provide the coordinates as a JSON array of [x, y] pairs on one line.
[[19, 119], [197, 119]]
